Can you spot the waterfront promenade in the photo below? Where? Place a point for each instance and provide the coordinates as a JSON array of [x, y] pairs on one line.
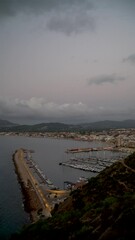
[[40, 193]]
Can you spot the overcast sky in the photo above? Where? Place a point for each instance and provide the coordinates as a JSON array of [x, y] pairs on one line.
[[70, 61]]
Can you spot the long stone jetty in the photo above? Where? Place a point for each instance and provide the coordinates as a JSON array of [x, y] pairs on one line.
[[36, 202], [39, 192]]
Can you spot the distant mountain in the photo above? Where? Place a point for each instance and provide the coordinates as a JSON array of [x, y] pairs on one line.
[[108, 125], [52, 126], [6, 124], [60, 127]]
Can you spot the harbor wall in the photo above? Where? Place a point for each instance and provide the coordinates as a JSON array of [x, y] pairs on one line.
[[31, 202]]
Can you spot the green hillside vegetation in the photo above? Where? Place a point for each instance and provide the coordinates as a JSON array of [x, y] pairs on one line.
[[103, 209]]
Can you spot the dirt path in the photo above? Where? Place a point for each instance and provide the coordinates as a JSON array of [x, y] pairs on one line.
[[126, 166]]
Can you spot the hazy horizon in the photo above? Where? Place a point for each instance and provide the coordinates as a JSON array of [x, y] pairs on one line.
[[62, 122], [67, 61]]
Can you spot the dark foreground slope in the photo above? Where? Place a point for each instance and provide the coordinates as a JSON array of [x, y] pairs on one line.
[[103, 209]]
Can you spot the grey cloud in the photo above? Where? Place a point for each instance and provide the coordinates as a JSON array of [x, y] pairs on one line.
[[116, 113], [70, 22], [99, 80], [38, 108], [130, 59], [11, 7], [70, 16]]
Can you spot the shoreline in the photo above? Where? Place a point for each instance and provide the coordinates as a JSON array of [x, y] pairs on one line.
[[110, 140]]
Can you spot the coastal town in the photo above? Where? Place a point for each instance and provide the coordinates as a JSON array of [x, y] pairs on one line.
[[119, 144], [120, 138]]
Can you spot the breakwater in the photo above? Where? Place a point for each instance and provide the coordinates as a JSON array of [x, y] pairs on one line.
[[34, 201], [39, 192]]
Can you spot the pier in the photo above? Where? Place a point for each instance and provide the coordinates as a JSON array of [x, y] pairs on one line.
[[79, 150], [40, 193]]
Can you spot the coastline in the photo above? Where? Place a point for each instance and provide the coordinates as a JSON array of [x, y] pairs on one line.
[[116, 138]]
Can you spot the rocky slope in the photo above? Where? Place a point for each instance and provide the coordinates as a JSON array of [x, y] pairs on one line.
[[104, 209]]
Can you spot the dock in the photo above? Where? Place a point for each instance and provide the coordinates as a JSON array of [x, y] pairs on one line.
[[39, 192], [91, 164], [79, 150]]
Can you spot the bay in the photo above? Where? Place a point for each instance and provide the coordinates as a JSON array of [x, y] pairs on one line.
[[48, 153]]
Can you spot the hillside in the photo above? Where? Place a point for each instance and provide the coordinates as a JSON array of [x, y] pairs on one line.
[[62, 127], [6, 124], [109, 124], [43, 127], [104, 209]]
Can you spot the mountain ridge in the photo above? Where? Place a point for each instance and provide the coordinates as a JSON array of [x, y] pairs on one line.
[[59, 126]]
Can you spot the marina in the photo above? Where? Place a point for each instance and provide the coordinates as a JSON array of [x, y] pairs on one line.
[[93, 163]]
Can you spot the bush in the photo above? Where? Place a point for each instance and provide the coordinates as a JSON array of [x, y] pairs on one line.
[[109, 201]]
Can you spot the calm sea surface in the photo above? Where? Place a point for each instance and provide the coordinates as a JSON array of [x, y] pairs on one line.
[[48, 153]]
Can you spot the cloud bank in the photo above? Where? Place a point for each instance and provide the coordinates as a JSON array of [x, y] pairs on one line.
[[36, 110], [39, 109], [99, 80]]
